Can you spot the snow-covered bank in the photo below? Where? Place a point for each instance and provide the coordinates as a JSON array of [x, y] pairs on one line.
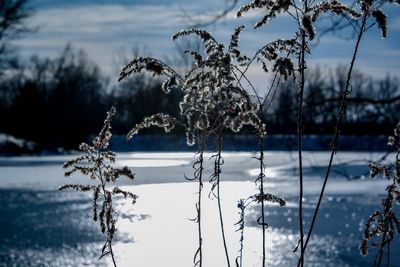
[[167, 237], [15, 146], [39, 224], [45, 172]]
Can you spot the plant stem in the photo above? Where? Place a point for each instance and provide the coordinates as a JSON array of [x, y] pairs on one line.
[[241, 227], [342, 112], [218, 161], [302, 65], [299, 142], [112, 253], [378, 261], [103, 186], [388, 255], [199, 176], [261, 187]]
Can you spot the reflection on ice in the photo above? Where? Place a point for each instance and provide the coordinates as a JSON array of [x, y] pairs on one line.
[[180, 155], [269, 172], [167, 236], [40, 225], [134, 163]]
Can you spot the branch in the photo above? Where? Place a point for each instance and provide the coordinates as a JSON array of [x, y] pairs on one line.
[[214, 20]]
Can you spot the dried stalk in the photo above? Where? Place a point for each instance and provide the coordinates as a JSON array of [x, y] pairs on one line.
[[335, 142], [215, 179]]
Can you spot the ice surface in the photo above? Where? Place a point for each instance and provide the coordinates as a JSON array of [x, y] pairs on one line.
[[43, 226]]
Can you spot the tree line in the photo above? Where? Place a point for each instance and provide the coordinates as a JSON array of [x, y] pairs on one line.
[[59, 102], [372, 107]]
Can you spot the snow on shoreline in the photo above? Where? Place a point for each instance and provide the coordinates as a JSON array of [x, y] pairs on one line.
[[157, 231], [46, 172]]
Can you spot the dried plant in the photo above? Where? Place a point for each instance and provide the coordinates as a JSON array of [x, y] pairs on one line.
[[305, 13], [242, 205], [284, 67], [278, 53], [213, 100], [368, 9], [210, 93], [215, 180], [96, 163], [159, 120], [383, 224], [198, 167]]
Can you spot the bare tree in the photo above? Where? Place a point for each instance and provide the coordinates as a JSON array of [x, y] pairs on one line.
[[13, 14]]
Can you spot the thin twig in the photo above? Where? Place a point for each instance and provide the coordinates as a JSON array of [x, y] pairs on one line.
[[261, 188], [302, 66], [342, 112], [218, 162], [198, 174], [103, 186]]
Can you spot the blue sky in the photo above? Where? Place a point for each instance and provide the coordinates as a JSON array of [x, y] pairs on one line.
[[105, 28]]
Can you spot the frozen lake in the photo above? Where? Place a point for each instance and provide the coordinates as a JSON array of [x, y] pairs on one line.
[[40, 226]]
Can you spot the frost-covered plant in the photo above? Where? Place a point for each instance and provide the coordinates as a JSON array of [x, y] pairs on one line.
[[96, 163], [305, 14], [213, 100], [242, 206], [370, 10], [211, 94], [383, 224]]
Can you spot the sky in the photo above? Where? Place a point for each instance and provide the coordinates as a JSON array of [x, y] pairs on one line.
[[106, 29]]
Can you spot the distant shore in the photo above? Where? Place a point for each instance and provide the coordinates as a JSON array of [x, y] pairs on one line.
[[248, 143], [12, 146]]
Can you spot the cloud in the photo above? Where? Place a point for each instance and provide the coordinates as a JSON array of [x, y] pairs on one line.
[[394, 24], [104, 29]]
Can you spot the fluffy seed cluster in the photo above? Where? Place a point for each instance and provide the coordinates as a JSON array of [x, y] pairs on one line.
[[372, 8], [233, 49], [334, 7], [269, 198], [102, 140], [314, 12], [212, 94], [278, 52], [152, 65], [383, 224], [159, 120], [210, 44], [308, 26], [271, 7], [380, 18]]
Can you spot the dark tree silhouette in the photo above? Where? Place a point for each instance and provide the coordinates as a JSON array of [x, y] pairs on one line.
[[13, 14]]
